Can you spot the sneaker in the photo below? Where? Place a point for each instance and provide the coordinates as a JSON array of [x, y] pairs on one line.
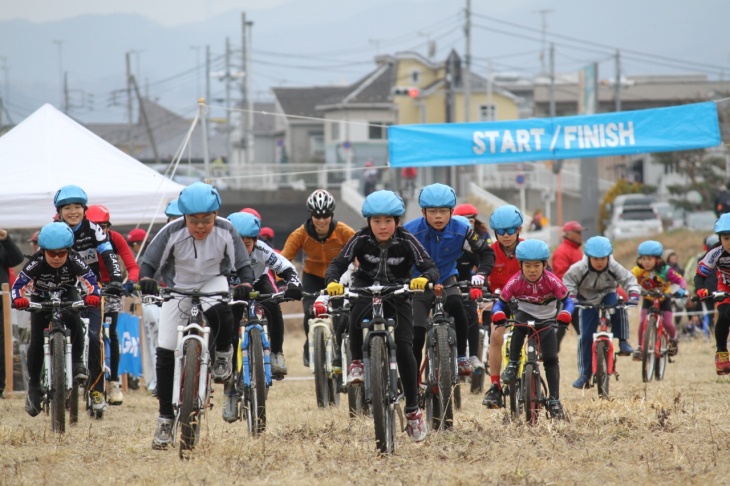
[[556, 410], [624, 348], [355, 372], [98, 404], [115, 393], [465, 368], [583, 381], [475, 363], [416, 427], [494, 398], [722, 362], [222, 367], [278, 365], [80, 373], [673, 347], [163, 434], [231, 407], [509, 375], [637, 355], [33, 400]]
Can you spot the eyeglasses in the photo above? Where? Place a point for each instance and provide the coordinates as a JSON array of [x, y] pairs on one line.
[[438, 211], [200, 221], [507, 231], [57, 253]]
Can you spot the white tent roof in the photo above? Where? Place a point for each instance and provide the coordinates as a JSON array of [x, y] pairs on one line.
[[48, 150]]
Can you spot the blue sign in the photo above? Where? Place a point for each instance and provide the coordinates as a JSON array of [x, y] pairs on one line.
[[520, 180], [130, 360], [630, 132]]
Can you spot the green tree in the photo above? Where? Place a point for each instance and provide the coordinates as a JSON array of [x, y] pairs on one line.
[[704, 173]]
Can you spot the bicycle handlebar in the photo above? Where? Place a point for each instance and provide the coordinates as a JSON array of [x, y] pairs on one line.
[[716, 296], [55, 304], [618, 305], [254, 295]]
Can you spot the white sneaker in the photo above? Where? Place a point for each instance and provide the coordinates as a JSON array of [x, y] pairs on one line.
[[416, 427], [475, 363], [115, 393], [163, 434]]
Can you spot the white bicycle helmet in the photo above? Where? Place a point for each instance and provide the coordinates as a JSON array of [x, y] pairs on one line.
[[321, 203]]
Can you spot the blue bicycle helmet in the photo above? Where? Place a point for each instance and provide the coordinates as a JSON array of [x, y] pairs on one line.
[[437, 196], [711, 241], [505, 217], [722, 225], [171, 210], [532, 250], [598, 247], [56, 236], [383, 203], [198, 197], [70, 195], [651, 248], [246, 224]]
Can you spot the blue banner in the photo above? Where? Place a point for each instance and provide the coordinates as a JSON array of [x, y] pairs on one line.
[[683, 127], [130, 361]]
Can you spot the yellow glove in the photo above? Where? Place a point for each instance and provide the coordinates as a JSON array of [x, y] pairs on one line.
[[335, 288], [419, 283]]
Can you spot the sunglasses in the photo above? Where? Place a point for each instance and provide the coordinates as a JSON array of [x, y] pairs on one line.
[[321, 216], [57, 254], [508, 231]]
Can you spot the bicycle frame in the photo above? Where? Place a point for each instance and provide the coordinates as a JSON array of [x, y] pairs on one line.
[[656, 312], [254, 318], [440, 319]]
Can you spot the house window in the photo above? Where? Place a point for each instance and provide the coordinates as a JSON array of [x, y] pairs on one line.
[[487, 112], [316, 143], [335, 131], [415, 77], [378, 130]]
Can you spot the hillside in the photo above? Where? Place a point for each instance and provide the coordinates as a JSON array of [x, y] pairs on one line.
[[685, 242]]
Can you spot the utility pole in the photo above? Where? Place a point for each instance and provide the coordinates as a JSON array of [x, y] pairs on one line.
[[228, 100], [617, 88], [248, 80], [207, 92], [59, 43], [543, 14], [466, 72], [557, 164], [130, 119], [244, 91]]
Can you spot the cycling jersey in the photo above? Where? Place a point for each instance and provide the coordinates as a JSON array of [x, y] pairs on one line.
[[590, 285], [538, 299], [40, 278], [658, 279], [318, 252], [263, 258], [90, 243], [121, 249], [505, 266], [715, 262]]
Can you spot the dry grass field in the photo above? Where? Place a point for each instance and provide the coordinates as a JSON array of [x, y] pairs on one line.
[[670, 432]]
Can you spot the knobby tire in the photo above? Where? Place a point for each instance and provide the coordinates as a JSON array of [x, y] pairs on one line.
[[445, 417], [258, 381], [321, 385], [58, 382], [532, 392], [189, 409], [383, 416], [661, 364], [602, 376], [355, 393], [648, 356]]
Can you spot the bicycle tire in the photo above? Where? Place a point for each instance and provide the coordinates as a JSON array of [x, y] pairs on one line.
[[602, 376], [661, 361], [58, 383], [648, 358], [321, 385], [445, 417], [356, 405], [513, 397], [383, 417], [258, 381], [189, 410], [532, 392], [73, 404], [334, 391], [477, 382]]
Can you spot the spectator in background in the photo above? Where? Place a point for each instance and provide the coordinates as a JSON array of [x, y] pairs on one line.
[[722, 200], [10, 256], [34, 242], [267, 235], [566, 254], [369, 177], [539, 221], [135, 239], [408, 181], [150, 318]]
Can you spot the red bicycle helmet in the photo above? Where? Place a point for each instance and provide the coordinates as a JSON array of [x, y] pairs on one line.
[[266, 233], [96, 213], [466, 210], [251, 211]]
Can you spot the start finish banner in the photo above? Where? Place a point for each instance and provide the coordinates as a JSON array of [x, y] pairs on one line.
[[683, 127]]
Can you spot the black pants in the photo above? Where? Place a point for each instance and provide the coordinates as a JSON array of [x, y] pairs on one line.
[[2, 348], [39, 321], [548, 346], [575, 322], [113, 318], [401, 312], [273, 316], [96, 367]]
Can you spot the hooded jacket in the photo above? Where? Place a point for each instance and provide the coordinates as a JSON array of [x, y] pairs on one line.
[[589, 285]]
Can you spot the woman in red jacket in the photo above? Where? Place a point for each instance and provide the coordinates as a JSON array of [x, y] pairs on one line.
[[566, 254], [113, 305]]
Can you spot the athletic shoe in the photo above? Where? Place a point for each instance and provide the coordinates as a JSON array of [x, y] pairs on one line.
[[673, 347], [231, 403], [465, 368], [722, 362], [98, 404], [416, 427], [583, 381], [278, 365], [355, 372], [624, 348], [80, 373], [494, 398], [33, 400], [556, 410], [509, 375], [115, 393], [475, 363], [163, 434], [222, 367]]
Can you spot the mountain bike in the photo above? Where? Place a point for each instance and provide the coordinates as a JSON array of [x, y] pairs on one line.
[[356, 403], [602, 351], [530, 388], [249, 385], [322, 347], [191, 388], [382, 391], [59, 391], [478, 377], [655, 343], [511, 393]]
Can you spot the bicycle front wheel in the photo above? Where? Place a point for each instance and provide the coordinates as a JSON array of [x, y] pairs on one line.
[[257, 393], [648, 352], [189, 407], [355, 392], [73, 403], [58, 383], [602, 376], [383, 416], [661, 356], [532, 393], [321, 386], [445, 418]]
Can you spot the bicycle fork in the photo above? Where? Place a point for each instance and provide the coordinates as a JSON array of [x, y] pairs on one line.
[[606, 337], [329, 350], [48, 362], [202, 338], [379, 329], [245, 360]]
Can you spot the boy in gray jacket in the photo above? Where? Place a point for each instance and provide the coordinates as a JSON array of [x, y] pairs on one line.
[[594, 279]]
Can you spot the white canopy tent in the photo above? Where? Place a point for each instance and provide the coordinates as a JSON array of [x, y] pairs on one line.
[[48, 150]]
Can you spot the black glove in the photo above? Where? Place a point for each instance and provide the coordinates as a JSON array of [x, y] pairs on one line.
[[148, 286], [128, 287], [293, 291], [241, 292], [114, 288]]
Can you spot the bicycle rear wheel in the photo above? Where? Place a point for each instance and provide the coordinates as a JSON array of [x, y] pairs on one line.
[[602, 376], [513, 397], [383, 416], [355, 393], [321, 385], [189, 407], [445, 417], [648, 356], [73, 403], [532, 393], [257, 393], [661, 360], [58, 384]]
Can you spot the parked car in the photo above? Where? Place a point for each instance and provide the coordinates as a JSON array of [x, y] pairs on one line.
[[672, 217], [701, 220], [187, 174], [634, 222]]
